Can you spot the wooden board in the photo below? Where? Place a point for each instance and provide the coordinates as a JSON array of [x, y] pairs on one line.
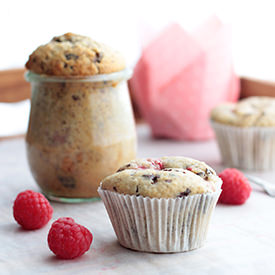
[[256, 87], [13, 86]]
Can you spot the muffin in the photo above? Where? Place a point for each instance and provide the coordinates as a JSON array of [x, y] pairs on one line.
[[245, 133], [161, 205], [75, 55]]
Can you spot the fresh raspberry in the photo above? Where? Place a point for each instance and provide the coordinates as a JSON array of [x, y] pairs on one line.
[[67, 239], [235, 188], [32, 210]]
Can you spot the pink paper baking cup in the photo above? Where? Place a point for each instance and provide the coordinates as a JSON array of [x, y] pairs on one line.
[[160, 225], [248, 148]]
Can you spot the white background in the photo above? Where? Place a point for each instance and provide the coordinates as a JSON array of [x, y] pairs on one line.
[[126, 25]]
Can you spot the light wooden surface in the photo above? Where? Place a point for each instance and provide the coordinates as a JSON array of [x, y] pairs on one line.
[[241, 239]]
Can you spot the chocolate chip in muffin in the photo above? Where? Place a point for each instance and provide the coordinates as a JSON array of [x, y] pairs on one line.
[[70, 56], [153, 178], [185, 193], [57, 39], [75, 97], [208, 171], [137, 190], [201, 174], [98, 57], [114, 188]]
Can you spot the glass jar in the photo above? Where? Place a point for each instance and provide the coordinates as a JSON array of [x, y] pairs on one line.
[[80, 131]]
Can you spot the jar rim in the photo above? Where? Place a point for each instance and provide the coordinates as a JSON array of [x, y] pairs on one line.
[[117, 76]]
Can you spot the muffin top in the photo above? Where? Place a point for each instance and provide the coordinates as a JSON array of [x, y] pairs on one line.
[[167, 177], [74, 55], [248, 112]]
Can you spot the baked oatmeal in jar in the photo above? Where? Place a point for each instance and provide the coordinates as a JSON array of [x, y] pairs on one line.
[[81, 125]]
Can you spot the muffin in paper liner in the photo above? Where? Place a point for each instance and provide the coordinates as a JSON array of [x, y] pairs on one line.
[[160, 225], [248, 148]]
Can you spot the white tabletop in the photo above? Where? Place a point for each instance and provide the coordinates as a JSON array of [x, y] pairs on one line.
[[241, 239]]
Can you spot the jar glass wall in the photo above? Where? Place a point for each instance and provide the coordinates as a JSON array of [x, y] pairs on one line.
[[80, 131]]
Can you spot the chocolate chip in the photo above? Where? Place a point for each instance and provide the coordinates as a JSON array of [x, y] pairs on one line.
[[207, 171], [70, 56], [114, 188], [128, 165], [155, 179], [71, 67], [137, 189], [185, 193], [56, 39], [75, 97], [168, 169], [34, 60], [68, 182], [98, 57], [65, 65], [201, 174]]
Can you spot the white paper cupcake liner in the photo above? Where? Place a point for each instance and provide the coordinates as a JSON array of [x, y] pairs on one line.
[[160, 225], [250, 148]]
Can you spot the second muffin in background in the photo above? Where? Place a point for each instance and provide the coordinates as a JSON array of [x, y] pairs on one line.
[[245, 133], [161, 205]]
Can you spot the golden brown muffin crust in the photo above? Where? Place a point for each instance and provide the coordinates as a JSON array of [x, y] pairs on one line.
[[74, 55], [167, 177], [258, 111]]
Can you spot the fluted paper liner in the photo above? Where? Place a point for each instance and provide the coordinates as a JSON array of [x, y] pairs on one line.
[[160, 225], [251, 148]]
